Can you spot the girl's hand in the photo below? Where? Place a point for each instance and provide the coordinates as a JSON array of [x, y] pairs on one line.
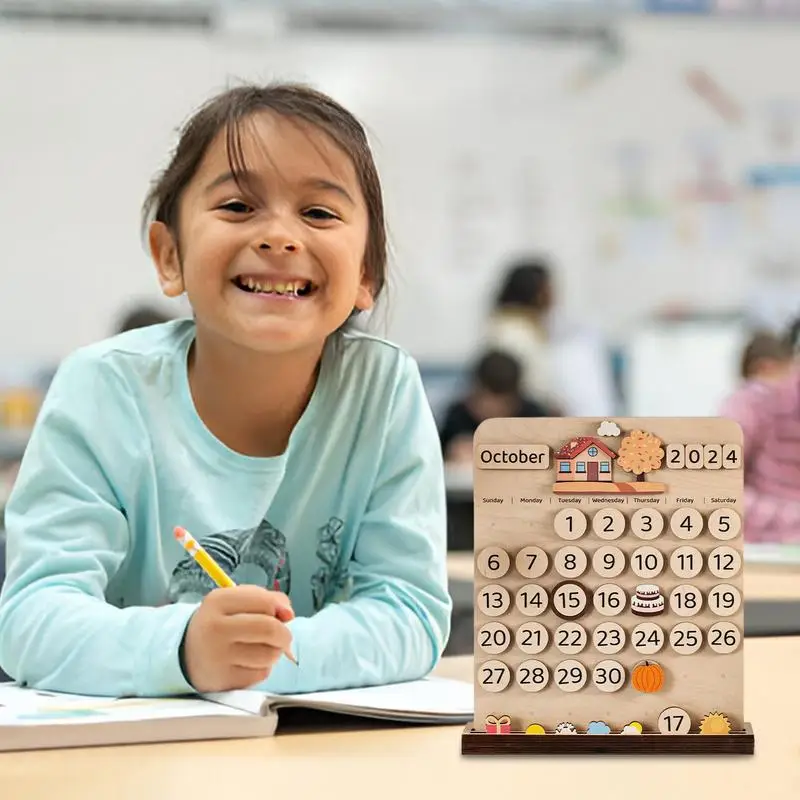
[[235, 637]]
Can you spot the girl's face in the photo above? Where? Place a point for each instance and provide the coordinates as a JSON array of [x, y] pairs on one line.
[[277, 266]]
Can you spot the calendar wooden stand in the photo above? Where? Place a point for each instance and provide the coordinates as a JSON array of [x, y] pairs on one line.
[[481, 743], [609, 615]]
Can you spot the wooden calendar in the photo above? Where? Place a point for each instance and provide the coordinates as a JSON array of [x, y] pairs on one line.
[[609, 609]]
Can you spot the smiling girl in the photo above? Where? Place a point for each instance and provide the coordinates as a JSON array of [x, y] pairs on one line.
[[301, 454]]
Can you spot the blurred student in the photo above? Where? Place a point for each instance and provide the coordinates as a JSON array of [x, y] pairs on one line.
[[767, 407], [565, 365], [495, 391], [140, 316], [520, 325], [766, 358]]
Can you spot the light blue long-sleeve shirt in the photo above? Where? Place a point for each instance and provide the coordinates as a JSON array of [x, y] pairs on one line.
[[350, 522]]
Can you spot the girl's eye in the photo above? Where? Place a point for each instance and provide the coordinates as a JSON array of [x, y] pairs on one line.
[[319, 213], [237, 207]]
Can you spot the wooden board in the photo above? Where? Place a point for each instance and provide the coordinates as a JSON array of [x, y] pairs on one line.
[[575, 548], [479, 743]]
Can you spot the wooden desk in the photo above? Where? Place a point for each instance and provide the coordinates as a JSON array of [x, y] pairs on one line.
[[425, 762]]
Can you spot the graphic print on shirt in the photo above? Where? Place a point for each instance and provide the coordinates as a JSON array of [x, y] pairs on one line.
[[330, 583], [259, 556], [252, 556]]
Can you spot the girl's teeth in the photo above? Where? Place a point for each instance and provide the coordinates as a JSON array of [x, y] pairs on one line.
[[292, 287]]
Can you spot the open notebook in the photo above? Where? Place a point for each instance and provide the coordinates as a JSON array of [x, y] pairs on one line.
[[37, 720]]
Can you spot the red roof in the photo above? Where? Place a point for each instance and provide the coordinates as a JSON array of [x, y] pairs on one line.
[[577, 445]]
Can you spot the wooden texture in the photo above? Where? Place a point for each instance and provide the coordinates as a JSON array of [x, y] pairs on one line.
[[517, 508], [479, 743]]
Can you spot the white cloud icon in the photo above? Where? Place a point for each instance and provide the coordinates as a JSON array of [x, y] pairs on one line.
[[631, 729], [608, 428]]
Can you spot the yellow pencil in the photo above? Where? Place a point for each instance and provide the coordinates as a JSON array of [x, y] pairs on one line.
[[209, 566], [201, 556]]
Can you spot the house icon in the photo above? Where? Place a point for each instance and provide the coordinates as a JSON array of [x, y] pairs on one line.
[[584, 458]]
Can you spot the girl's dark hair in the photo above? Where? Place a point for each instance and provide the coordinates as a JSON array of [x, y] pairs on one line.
[[525, 285], [228, 111]]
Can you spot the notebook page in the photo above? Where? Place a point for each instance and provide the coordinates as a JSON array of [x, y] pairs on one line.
[[429, 696], [249, 700], [22, 706]]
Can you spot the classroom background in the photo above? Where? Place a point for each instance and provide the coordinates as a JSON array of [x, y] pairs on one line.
[[594, 207]]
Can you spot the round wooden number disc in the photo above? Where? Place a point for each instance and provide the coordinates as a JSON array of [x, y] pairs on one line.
[[570, 675], [532, 675], [610, 600], [685, 600], [724, 600], [647, 523], [493, 562], [570, 562], [608, 638], [647, 562], [724, 561], [724, 524], [673, 721], [647, 638], [532, 600], [570, 523], [686, 638], [531, 562], [569, 600], [571, 638], [493, 676], [493, 600], [686, 562], [686, 523], [494, 638], [724, 637], [608, 676], [532, 638], [608, 523], [608, 561]]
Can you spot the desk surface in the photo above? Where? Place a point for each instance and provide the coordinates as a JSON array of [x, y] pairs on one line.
[[761, 581], [422, 762]]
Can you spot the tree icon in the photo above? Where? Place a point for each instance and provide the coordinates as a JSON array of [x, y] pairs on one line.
[[639, 453]]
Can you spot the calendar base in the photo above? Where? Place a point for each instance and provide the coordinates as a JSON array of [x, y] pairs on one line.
[[475, 743]]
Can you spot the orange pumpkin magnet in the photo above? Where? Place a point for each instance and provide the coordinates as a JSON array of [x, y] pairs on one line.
[[647, 676]]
